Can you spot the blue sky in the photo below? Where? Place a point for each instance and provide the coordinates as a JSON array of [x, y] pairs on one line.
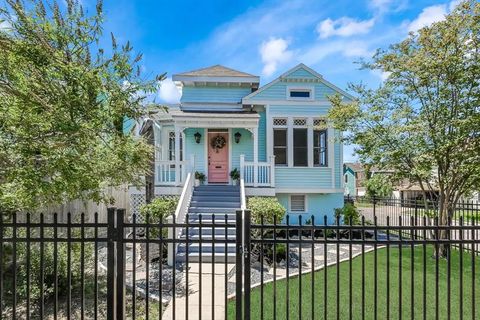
[[266, 37]]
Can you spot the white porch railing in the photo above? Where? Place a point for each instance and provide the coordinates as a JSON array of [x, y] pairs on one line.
[[170, 172], [181, 211], [258, 174]]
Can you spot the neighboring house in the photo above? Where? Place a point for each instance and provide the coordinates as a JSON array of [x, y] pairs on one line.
[[354, 177], [275, 135]]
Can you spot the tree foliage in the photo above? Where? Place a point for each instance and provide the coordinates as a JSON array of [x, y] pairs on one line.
[[378, 185], [423, 121], [64, 100]]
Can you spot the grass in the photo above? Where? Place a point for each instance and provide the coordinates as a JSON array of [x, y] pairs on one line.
[[394, 293]]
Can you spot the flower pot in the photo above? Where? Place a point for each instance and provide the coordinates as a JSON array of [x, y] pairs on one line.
[[235, 182], [197, 182]]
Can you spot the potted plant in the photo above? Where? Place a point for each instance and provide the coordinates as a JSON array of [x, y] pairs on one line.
[[235, 175], [199, 178]]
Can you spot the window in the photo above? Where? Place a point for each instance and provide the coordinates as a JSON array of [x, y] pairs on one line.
[[320, 148], [346, 178], [280, 146], [300, 147], [171, 146], [303, 94], [297, 203]]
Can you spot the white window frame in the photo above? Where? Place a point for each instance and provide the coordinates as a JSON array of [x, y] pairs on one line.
[[170, 135], [305, 204], [310, 89]]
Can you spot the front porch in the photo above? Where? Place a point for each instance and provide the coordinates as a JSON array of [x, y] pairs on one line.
[[192, 137]]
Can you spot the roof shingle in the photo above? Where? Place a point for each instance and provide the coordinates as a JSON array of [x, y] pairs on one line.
[[215, 71]]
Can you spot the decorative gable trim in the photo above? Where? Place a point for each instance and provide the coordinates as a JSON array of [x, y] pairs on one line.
[[283, 78]]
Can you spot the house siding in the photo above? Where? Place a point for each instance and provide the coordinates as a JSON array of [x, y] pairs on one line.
[[197, 149], [278, 91], [213, 94], [245, 146], [303, 178], [318, 205]]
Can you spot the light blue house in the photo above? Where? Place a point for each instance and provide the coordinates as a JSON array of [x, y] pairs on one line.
[[275, 135]]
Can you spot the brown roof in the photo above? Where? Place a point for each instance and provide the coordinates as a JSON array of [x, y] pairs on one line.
[[215, 71], [356, 167]]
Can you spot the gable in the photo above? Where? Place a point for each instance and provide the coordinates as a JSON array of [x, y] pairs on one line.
[[301, 73], [279, 90], [300, 76]]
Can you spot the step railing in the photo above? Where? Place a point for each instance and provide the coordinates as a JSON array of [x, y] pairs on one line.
[[258, 174], [181, 211]]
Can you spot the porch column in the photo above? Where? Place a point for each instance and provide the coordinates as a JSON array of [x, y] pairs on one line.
[[255, 156], [178, 132]]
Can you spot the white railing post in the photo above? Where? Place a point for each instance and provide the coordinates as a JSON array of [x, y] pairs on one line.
[[242, 166], [255, 156], [272, 171]]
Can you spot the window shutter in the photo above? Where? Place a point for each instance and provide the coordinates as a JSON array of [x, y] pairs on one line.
[[297, 203]]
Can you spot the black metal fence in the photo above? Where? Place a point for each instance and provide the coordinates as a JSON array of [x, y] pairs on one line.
[[256, 269]]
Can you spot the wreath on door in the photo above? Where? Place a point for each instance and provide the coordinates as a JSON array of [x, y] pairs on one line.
[[218, 142]]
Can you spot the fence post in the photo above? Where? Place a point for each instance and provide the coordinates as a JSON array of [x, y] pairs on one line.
[[374, 203], [120, 264], [111, 270], [246, 254], [238, 265], [416, 217], [171, 246]]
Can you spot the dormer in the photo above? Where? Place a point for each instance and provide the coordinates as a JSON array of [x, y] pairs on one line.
[[215, 88]]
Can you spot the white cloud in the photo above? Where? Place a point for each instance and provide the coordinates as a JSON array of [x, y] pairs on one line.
[[346, 48], [169, 93], [5, 26], [432, 14], [274, 52], [344, 27]]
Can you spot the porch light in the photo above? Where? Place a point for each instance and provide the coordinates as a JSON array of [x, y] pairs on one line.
[[237, 135], [197, 137]]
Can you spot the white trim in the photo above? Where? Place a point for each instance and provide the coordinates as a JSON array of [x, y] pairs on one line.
[[310, 142], [230, 144], [205, 148], [290, 142], [310, 89], [266, 192], [294, 103], [305, 203], [304, 190]]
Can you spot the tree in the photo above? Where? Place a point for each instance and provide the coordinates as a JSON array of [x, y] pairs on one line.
[[379, 185], [64, 101], [423, 121]]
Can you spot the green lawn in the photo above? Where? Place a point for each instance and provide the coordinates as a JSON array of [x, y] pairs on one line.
[[356, 302]]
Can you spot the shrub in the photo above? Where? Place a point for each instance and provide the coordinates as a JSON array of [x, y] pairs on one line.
[[348, 213], [48, 265], [157, 210], [268, 207]]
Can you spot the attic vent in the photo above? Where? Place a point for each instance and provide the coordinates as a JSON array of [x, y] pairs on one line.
[[279, 122], [299, 122], [297, 203]]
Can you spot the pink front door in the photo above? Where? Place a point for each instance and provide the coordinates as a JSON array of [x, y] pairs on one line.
[[218, 157]]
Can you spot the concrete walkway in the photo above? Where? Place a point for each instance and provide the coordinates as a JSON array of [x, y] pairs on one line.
[[201, 298]]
